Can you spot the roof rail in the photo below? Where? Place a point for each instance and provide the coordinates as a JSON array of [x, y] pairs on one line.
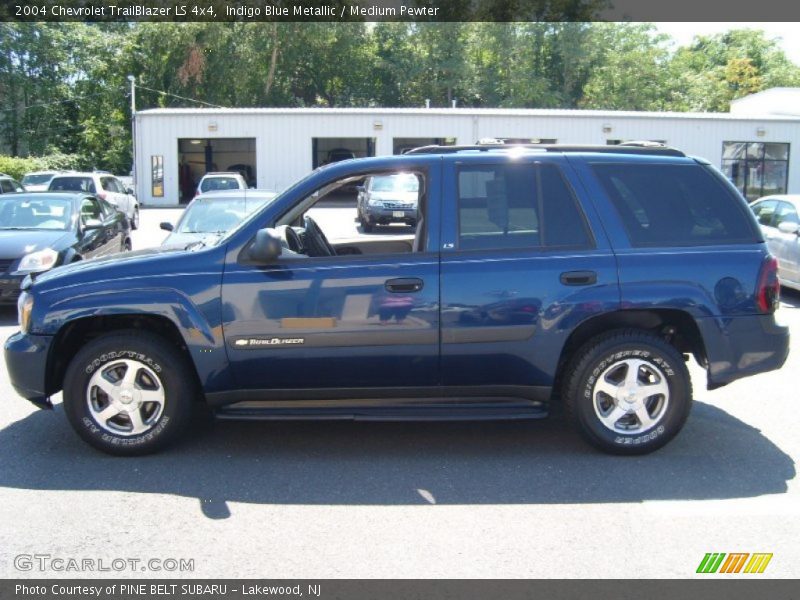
[[648, 148]]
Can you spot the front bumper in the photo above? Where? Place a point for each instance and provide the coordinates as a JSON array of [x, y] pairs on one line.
[[26, 361], [380, 214], [742, 346]]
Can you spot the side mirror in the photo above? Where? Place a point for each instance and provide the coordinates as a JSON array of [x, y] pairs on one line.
[[129, 191], [92, 224], [167, 226], [361, 188], [788, 227], [266, 247]]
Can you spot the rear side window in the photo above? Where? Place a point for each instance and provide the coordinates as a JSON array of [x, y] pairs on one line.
[[72, 184], [518, 206], [674, 205]]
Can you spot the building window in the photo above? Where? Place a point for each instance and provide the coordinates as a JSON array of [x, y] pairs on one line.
[[157, 174], [756, 168]]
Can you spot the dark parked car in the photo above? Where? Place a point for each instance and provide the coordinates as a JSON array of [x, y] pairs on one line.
[[385, 199], [42, 230], [593, 272]]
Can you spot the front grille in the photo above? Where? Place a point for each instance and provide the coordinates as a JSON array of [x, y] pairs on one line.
[[398, 205], [5, 264]]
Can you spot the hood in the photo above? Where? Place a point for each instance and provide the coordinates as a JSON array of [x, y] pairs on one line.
[[34, 187], [114, 266], [16, 243]]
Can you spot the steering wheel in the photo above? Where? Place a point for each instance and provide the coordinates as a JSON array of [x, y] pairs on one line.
[[293, 240], [316, 242]]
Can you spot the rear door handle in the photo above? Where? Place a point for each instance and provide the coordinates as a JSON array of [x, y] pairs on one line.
[[404, 285], [579, 278]]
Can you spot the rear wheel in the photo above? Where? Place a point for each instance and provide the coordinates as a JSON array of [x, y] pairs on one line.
[[128, 393], [628, 392]]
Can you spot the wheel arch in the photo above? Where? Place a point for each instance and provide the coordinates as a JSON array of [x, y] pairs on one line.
[[78, 332], [676, 326]]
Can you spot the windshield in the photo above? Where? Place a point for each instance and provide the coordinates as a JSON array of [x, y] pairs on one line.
[[37, 179], [72, 184], [38, 213], [218, 215], [404, 182], [219, 183]]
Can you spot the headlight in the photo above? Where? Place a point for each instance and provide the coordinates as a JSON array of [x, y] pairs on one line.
[[37, 262], [24, 308]]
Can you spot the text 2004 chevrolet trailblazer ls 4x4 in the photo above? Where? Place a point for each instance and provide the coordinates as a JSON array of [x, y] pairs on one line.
[[582, 275]]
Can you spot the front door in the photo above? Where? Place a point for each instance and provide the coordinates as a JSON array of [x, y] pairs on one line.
[[351, 321]]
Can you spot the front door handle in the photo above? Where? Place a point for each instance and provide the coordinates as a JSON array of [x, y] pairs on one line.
[[579, 278], [404, 285]]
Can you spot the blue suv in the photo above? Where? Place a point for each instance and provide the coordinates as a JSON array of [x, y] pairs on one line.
[[535, 275]]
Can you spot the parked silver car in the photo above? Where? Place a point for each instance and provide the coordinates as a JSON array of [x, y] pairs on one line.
[[779, 219], [214, 214]]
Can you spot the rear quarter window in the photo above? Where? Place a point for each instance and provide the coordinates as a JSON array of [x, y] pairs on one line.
[[675, 205]]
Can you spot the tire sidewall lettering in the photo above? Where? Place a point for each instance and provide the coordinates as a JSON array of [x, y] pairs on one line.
[[607, 360], [108, 438]]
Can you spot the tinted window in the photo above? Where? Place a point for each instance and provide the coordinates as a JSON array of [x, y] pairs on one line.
[[517, 206], [764, 211], [90, 209], [72, 184], [674, 205], [6, 186], [219, 183]]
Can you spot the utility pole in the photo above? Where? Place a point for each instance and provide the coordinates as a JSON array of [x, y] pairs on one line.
[[132, 80]]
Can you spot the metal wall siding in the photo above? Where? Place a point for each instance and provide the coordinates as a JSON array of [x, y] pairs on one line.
[[284, 146]]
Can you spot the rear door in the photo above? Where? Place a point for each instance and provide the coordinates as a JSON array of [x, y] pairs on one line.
[[523, 263]]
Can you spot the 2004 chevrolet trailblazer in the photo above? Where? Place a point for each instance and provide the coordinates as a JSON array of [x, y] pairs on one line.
[[585, 275]]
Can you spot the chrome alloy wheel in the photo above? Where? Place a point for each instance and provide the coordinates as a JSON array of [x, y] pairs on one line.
[[125, 397], [631, 396]]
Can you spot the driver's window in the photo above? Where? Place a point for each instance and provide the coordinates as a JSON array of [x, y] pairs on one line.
[[90, 209], [376, 213]]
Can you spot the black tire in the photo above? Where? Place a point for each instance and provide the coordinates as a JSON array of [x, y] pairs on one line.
[[366, 226], [173, 377], [127, 246], [135, 220], [609, 354]]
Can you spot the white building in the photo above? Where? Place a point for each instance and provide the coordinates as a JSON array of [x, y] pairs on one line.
[[275, 146]]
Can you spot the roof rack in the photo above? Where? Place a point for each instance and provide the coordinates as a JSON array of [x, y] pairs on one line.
[[648, 148]]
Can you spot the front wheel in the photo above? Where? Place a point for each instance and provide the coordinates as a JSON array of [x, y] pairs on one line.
[[628, 392], [128, 393]]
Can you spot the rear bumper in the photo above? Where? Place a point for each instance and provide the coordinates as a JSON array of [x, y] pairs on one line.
[[26, 361], [742, 346]]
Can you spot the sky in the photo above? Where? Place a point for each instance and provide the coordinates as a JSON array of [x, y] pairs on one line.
[[789, 33]]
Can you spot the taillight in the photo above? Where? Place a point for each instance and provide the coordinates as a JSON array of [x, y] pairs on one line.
[[768, 292]]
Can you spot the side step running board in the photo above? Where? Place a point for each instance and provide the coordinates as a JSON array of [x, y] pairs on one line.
[[473, 411]]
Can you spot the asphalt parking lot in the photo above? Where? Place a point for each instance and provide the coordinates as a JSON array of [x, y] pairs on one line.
[[411, 500]]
